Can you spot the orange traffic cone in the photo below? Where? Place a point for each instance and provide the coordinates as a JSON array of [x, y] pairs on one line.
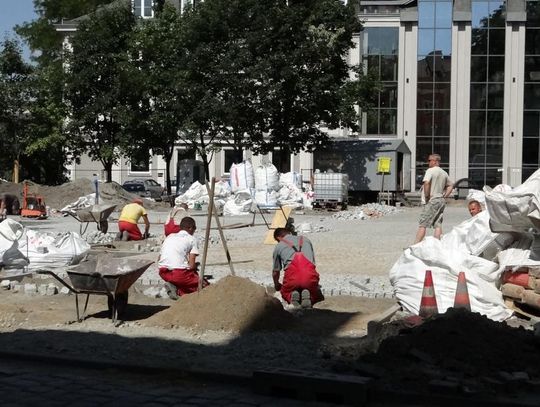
[[462, 294], [428, 304]]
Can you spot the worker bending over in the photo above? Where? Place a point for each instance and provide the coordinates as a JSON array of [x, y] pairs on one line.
[[177, 213], [294, 254], [177, 261], [129, 217]]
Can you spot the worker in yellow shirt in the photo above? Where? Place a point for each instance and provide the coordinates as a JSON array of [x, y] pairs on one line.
[[129, 217]]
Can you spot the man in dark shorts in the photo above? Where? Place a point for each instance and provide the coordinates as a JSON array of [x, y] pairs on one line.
[[436, 188]]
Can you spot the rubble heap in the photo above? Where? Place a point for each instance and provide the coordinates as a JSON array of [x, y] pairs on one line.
[[370, 210]]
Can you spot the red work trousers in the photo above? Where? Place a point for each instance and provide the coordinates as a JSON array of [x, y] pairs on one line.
[[171, 227], [131, 228], [298, 279], [186, 281]]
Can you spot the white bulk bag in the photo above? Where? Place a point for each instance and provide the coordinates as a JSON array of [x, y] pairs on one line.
[[242, 176], [266, 178]]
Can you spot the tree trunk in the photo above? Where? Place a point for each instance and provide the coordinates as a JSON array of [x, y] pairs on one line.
[[108, 171]]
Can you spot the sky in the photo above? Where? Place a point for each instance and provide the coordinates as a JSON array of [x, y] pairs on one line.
[[14, 12]]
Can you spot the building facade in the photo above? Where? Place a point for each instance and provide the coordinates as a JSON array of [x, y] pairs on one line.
[[458, 77]]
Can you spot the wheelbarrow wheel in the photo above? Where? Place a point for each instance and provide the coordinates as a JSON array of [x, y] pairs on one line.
[[103, 226], [120, 301]]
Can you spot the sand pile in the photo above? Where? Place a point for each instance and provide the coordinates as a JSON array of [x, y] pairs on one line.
[[233, 304], [57, 197], [460, 345]]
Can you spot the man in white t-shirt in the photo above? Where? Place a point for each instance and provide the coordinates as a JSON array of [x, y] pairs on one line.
[[435, 189], [177, 261]]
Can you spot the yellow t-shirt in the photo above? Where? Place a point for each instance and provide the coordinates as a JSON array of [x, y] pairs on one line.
[[132, 213]]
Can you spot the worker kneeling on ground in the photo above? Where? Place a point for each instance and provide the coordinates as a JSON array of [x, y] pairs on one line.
[[294, 254], [177, 261], [129, 217], [177, 213]]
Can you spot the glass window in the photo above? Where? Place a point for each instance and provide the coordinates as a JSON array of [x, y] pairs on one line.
[[388, 120], [424, 147], [389, 68], [496, 69], [441, 96], [443, 14], [424, 96], [478, 95], [424, 122], [442, 69], [426, 14], [137, 7], [477, 124], [388, 96], [477, 151], [479, 41], [426, 67], [426, 41], [494, 125], [442, 146], [530, 151], [531, 124], [281, 160], [478, 69], [443, 41], [480, 10], [532, 69], [441, 123], [532, 41], [497, 14], [140, 162], [380, 40], [372, 123], [533, 14], [496, 41], [532, 96], [232, 157], [495, 96]]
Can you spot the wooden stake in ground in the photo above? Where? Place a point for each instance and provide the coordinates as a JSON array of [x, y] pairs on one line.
[[207, 231], [220, 229]]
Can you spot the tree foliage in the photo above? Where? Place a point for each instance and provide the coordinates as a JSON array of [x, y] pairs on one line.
[[100, 91]]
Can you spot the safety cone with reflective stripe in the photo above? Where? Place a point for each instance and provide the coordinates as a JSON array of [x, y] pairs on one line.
[[462, 293], [428, 304]]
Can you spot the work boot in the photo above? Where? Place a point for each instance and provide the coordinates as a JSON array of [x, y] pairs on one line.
[[171, 291], [125, 236], [305, 299], [295, 299]]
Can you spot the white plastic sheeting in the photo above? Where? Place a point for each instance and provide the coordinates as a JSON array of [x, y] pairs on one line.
[[21, 247], [240, 205]]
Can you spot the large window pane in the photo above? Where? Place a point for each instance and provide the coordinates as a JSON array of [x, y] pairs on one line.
[[443, 41], [477, 124], [478, 96], [530, 151], [479, 41], [532, 96], [531, 124], [441, 96], [424, 123], [442, 69], [424, 96], [372, 125], [373, 64], [533, 14], [426, 41], [532, 41], [494, 148], [495, 96], [426, 66], [426, 14], [480, 11], [532, 69], [477, 151], [424, 147], [496, 69], [388, 96], [443, 14], [496, 41], [478, 69], [495, 124], [497, 14], [441, 123], [389, 68], [388, 121], [441, 146]]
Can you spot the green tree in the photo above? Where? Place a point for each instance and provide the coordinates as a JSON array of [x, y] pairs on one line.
[[158, 57], [101, 93], [15, 99]]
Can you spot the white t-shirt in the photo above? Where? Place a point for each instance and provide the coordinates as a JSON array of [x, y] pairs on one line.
[[439, 180], [176, 249]]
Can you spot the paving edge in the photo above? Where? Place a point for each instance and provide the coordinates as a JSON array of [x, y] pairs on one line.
[[82, 363]]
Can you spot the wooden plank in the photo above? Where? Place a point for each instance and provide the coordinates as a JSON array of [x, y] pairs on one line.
[[278, 221]]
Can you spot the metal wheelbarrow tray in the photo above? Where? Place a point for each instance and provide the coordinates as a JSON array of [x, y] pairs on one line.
[[108, 276], [97, 213]]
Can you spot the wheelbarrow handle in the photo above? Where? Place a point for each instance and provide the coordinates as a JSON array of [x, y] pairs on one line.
[[55, 276]]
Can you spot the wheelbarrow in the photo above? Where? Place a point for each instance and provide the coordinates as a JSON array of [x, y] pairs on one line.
[[110, 276], [95, 213]]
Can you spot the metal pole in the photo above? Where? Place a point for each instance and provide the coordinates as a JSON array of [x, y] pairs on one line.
[[221, 234], [207, 232]]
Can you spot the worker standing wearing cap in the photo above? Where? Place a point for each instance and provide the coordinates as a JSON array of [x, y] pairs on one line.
[[129, 217]]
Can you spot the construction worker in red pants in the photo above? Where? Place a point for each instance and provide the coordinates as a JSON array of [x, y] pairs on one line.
[[294, 254], [177, 261]]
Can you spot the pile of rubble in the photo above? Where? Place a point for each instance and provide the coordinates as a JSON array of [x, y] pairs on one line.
[[367, 211]]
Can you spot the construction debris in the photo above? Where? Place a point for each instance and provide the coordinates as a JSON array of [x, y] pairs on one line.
[[371, 210]]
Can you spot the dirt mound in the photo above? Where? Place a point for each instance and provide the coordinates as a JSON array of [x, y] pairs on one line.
[[233, 304], [60, 196], [457, 344]]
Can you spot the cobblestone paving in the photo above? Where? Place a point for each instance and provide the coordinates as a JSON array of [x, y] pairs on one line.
[[30, 384]]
